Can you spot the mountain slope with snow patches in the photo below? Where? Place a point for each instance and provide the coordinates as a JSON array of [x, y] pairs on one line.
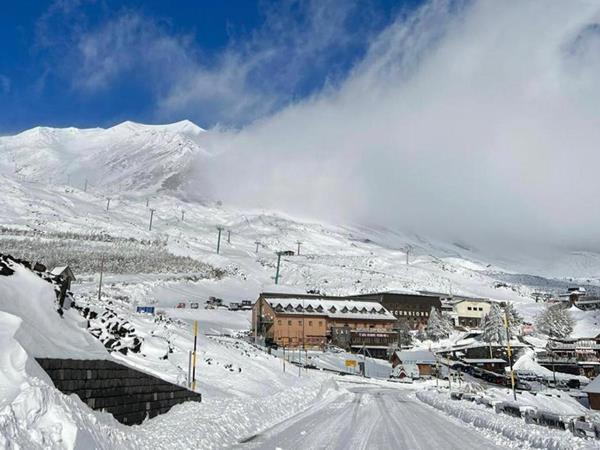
[[46, 215], [126, 156]]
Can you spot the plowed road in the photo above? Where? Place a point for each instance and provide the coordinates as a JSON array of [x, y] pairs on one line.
[[370, 418]]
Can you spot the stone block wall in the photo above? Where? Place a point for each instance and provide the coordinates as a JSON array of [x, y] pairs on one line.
[[128, 394]]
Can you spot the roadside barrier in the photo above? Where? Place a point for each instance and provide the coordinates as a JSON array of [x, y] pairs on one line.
[[578, 425]]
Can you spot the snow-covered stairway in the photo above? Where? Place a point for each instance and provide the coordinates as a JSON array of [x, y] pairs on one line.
[[128, 394]]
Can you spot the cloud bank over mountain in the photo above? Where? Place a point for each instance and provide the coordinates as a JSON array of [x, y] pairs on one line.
[[475, 121]]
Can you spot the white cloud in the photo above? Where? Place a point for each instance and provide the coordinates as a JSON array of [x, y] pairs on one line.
[[477, 123], [254, 74]]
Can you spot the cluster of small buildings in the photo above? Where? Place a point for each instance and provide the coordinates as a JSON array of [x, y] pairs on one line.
[[577, 356], [574, 296], [361, 323]]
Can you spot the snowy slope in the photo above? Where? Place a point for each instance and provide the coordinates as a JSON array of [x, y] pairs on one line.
[[128, 155], [45, 215]]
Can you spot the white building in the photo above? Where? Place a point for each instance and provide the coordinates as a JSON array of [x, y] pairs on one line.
[[470, 312]]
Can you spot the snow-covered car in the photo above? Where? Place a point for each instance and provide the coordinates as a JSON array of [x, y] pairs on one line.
[[334, 349]]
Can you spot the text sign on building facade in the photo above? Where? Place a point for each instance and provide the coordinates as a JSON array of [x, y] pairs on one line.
[[350, 363]]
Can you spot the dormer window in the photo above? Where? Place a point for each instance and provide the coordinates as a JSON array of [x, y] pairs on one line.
[[289, 307], [278, 307], [309, 308], [355, 310], [319, 309], [373, 311], [299, 308], [344, 310], [363, 311], [332, 310]]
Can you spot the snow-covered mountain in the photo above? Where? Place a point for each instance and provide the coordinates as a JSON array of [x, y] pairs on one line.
[[126, 156], [43, 173], [46, 215]]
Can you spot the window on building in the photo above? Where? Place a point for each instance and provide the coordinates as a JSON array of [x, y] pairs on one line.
[[468, 308], [299, 322], [310, 323], [320, 322], [279, 322], [289, 322]]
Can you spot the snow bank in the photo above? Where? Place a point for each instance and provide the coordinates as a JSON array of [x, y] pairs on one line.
[[527, 365], [33, 414], [42, 332], [225, 422], [510, 427]]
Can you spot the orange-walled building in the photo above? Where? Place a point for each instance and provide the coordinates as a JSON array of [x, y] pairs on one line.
[[311, 320]]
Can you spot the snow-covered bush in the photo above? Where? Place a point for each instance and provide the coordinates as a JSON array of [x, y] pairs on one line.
[[555, 321], [492, 326], [438, 326]]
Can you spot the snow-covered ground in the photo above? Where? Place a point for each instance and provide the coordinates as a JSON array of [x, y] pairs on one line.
[[79, 197]]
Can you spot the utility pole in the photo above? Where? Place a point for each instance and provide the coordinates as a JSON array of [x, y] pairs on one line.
[[407, 254], [257, 244], [220, 228], [509, 353], [85, 185], [303, 334], [100, 283], [107, 203], [182, 215], [151, 216], [364, 362], [299, 356], [299, 243], [229, 236], [278, 265], [194, 356], [553, 369], [437, 371], [147, 202]]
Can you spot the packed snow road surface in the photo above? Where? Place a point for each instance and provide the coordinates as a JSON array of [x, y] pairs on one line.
[[370, 417]]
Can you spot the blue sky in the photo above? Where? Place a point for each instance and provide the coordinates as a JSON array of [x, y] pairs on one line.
[[95, 63]]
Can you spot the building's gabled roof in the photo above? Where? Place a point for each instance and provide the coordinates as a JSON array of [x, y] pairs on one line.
[[60, 270], [456, 301], [334, 308], [416, 357], [593, 387]]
